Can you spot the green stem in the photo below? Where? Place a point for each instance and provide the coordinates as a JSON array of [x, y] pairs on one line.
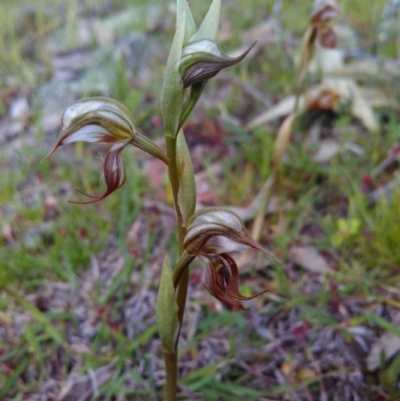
[[171, 370], [144, 143], [195, 93], [183, 264], [171, 359], [181, 294], [174, 179]]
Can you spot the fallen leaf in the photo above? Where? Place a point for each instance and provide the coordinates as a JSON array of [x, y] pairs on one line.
[[8, 234], [387, 345], [288, 367], [326, 151], [361, 109], [305, 374], [281, 109], [384, 192], [282, 140], [309, 258]]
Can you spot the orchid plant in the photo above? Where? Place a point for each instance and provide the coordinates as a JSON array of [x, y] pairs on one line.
[[213, 233]]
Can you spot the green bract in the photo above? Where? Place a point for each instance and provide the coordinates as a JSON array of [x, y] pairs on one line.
[[172, 89], [167, 309]]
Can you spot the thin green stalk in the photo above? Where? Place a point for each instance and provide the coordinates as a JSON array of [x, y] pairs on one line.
[[195, 93], [171, 359], [267, 194], [184, 261], [181, 294], [174, 179], [171, 370]]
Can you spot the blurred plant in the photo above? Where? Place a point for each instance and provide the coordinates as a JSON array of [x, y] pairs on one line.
[[318, 31], [211, 233], [345, 230]]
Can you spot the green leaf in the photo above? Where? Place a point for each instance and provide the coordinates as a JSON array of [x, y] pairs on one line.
[[187, 185], [383, 323], [142, 339], [190, 26], [172, 90], [37, 315], [167, 310], [210, 25]]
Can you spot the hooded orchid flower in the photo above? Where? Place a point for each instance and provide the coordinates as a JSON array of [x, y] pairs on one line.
[[203, 59], [199, 57], [104, 120], [321, 19], [214, 234]]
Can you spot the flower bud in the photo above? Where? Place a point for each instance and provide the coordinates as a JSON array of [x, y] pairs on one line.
[[96, 120], [203, 59]]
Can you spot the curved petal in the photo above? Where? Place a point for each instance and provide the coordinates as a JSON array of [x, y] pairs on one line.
[[233, 283], [214, 288], [222, 281], [114, 174]]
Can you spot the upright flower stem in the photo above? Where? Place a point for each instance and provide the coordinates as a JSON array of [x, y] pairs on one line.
[[174, 179], [171, 359], [171, 364]]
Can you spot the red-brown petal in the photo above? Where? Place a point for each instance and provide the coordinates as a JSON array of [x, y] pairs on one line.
[[327, 37], [216, 291], [324, 12], [233, 282], [322, 98], [114, 174]]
